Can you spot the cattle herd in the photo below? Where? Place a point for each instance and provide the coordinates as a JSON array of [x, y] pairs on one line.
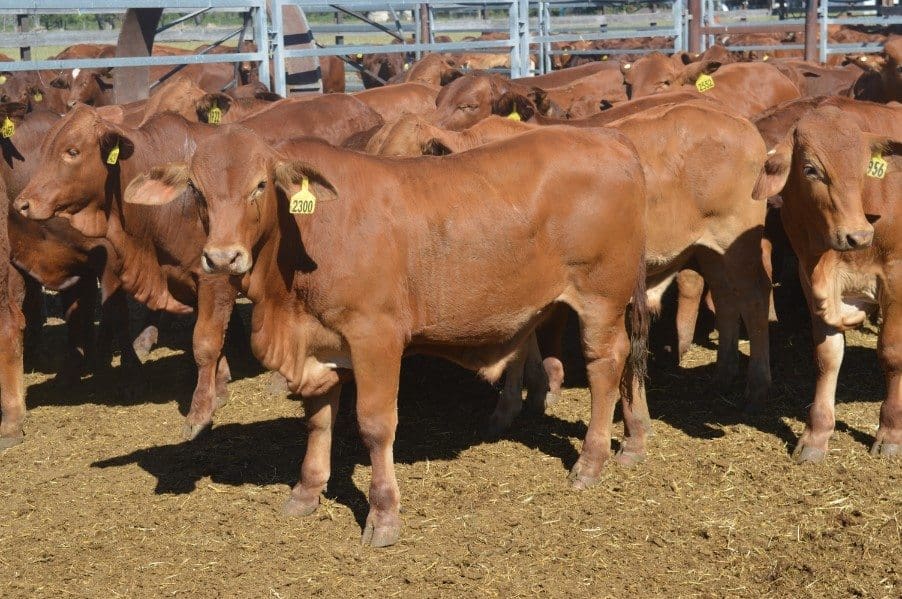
[[459, 215]]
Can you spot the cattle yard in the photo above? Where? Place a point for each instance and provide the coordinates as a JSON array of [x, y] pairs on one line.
[[105, 499], [563, 303]]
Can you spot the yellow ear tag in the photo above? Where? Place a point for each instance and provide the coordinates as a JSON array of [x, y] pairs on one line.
[[113, 156], [303, 202], [514, 116], [704, 83], [877, 167], [8, 128], [38, 97], [604, 56], [214, 115], [359, 55], [766, 57], [406, 66], [2, 79]]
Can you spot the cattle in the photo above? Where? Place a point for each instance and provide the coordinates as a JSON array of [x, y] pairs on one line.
[[435, 70], [85, 165], [747, 88], [882, 77], [814, 80], [471, 98], [456, 276], [842, 170], [696, 211], [12, 325]]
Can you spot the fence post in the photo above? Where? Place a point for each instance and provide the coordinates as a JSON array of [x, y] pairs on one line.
[[678, 26], [523, 38], [276, 47], [825, 21]]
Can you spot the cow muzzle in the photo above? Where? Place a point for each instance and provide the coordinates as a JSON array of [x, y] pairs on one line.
[[29, 209], [845, 240], [232, 260]]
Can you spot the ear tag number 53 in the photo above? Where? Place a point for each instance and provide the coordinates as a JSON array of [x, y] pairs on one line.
[[303, 202]]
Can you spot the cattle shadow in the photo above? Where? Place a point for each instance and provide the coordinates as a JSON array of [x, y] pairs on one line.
[[441, 411], [159, 380]]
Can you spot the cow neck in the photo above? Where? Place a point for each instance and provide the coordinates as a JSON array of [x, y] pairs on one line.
[[158, 142]]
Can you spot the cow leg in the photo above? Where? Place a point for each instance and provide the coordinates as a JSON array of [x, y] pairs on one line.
[[114, 316], [888, 442], [829, 346], [215, 302], [637, 426], [149, 335], [606, 347], [726, 318], [535, 378], [315, 470], [35, 314], [550, 335], [510, 400], [767, 251], [752, 289], [377, 365], [79, 302], [12, 368], [691, 287]]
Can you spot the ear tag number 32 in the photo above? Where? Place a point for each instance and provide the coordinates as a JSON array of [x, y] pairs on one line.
[[704, 83], [303, 202], [877, 167]]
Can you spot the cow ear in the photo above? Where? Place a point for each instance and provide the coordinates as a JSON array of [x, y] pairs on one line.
[[450, 75], [104, 79], [510, 103], [869, 63], [887, 148], [290, 176], [435, 147], [207, 106], [14, 111], [266, 95], [541, 101], [626, 67], [115, 144], [775, 171], [159, 186], [697, 69], [59, 82]]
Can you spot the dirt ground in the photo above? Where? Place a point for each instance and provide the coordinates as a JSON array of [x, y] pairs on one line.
[[104, 500]]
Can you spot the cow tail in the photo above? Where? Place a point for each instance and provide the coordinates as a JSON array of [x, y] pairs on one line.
[[637, 321]]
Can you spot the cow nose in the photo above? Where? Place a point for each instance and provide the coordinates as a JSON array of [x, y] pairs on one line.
[[70, 103], [860, 239], [23, 206], [231, 259]]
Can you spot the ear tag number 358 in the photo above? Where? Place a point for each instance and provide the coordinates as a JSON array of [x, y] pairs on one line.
[[704, 83], [303, 202], [877, 167]]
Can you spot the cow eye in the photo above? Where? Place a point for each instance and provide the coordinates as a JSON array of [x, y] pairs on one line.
[[665, 83], [261, 185], [810, 171], [73, 152]]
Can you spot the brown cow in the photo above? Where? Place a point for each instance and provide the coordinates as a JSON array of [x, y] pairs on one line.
[[159, 248], [882, 78], [434, 70], [456, 276], [695, 210], [747, 88], [814, 80], [844, 170], [12, 325]]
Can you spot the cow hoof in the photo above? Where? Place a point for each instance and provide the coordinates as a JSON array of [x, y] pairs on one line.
[[380, 536], [299, 507], [806, 454], [882, 449], [190, 432], [143, 345], [278, 385], [628, 458], [538, 404], [580, 478], [7, 442], [493, 429]]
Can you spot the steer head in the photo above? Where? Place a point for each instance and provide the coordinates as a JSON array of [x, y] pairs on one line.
[[243, 195], [826, 159], [656, 73], [85, 86], [74, 176]]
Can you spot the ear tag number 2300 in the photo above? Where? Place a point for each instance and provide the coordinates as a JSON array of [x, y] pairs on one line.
[[303, 202]]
